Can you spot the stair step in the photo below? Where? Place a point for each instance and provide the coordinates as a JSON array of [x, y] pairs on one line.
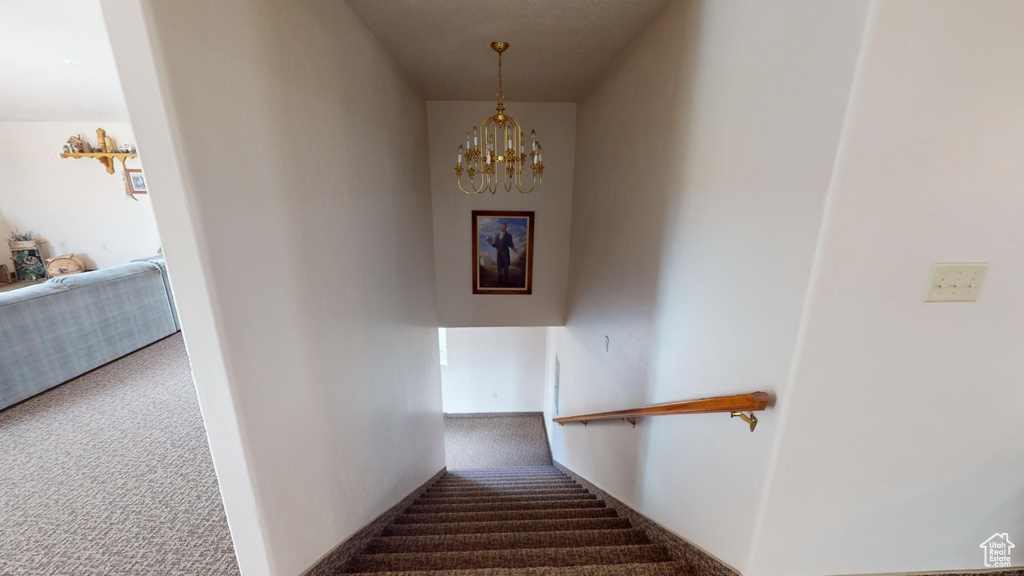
[[505, 541], [503, 480], [506, 515], [512, 492], [504, 483], [646, 569], [505, 498], [492, 477], [508, 526], [466, 482], [506, 471], [503, 472], [534, 557], [499, 506], [499, 474]]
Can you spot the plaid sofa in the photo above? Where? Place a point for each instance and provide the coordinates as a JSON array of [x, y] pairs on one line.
[[60, 329]]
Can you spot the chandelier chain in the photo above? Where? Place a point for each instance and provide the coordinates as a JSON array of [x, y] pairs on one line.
[[501, 94]]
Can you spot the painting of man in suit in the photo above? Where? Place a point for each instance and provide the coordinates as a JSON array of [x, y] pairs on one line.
[[502, 243], [502, 252]]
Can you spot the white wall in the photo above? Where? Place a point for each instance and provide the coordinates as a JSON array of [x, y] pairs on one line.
[[267, 124], [902, 448], [702, 165], [494, 370], [453, 244], [72, 204]]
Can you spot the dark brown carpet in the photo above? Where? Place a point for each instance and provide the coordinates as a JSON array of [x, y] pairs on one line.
[[531, 521], [498, 440]]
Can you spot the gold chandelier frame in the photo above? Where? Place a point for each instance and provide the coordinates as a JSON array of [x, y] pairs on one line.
[[482, 157]]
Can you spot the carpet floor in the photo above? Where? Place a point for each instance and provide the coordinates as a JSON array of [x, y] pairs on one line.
[[498, 440], [111, 473], [531, 521]]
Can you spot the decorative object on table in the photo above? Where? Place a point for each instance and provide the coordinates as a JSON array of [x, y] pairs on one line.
[[134, 183], [5, 274], [64, 265], [483, 158], [27, 255], [106, 151], [502, 252]]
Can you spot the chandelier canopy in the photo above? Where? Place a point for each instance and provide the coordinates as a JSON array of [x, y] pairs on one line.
[[483, 157]]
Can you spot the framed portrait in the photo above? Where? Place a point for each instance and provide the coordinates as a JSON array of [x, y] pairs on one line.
[[134, 182], [502, 252]]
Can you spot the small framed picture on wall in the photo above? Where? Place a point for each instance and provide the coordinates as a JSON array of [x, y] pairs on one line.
[[502, 252], [134, 182]]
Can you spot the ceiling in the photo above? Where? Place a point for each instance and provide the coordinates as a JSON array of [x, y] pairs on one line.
[[558, 49], [36, 82]]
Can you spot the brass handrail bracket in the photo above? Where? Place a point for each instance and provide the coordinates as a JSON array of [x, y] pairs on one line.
[[631, 421], [752, 420]]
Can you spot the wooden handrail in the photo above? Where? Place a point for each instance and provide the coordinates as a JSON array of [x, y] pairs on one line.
[[736, 405]]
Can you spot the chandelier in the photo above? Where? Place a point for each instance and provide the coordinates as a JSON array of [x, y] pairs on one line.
[[502, 143]]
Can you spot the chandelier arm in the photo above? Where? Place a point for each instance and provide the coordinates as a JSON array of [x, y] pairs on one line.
[[485, 180], [537, 178], [471, 187]]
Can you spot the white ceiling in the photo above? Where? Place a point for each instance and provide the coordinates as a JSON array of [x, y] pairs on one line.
[[558, 48], [36, 37]]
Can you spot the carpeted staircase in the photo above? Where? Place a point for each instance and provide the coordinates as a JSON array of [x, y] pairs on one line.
[[532, 521]]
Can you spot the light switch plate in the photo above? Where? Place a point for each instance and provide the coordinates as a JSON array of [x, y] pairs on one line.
[[956, 281]]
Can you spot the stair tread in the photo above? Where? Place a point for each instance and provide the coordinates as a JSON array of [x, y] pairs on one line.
[[502, 480], [502, 474], [505, 471], [505, 485], [521, 558], [511, 492], [498, 506], [434, 501], [501, 515], [633, 569], [506, 541], [465, 484], [508, 526]]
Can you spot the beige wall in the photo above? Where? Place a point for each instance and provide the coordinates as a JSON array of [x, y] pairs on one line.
[[292, 152], [902, 447], [494, 370], [453, 249], [72, 204], [702, 165]]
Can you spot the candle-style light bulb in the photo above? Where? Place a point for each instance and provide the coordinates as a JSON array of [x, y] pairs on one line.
[[533, 138], [467, 141], [461, 150], [476, 137], [522, 140]]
